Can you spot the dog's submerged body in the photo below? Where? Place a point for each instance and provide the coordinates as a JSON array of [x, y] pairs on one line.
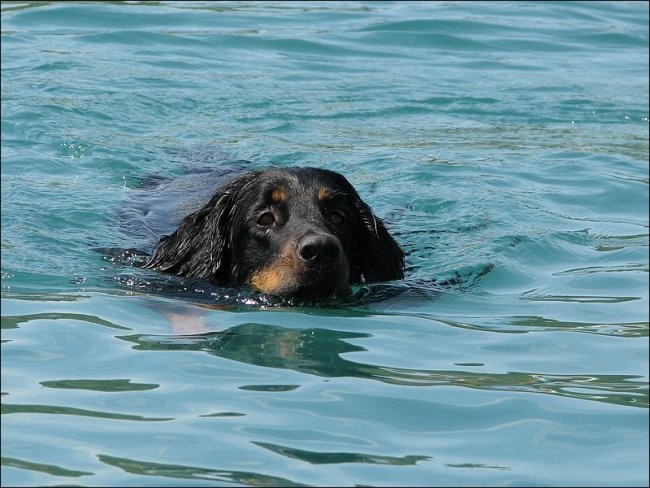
[[292, 232]]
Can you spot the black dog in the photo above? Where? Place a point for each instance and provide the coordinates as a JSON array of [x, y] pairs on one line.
[[297, 232]]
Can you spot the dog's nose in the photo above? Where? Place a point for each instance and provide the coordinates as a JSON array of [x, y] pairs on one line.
[[318, 249]]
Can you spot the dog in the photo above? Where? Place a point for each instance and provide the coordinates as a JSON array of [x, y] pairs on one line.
[[299, 233]]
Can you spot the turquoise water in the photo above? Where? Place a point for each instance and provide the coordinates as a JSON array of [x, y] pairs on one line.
[[506, 147]]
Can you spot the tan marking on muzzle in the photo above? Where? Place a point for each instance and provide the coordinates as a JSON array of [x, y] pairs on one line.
[[268, 280], [277, 274]]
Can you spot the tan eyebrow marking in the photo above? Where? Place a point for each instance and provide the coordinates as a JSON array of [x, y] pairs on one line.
[[324, 193], [278, 195]]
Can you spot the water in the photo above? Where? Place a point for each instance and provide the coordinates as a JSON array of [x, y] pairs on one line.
[[504, 144]]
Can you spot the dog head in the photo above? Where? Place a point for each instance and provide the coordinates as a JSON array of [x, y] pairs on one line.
[[295, 232]]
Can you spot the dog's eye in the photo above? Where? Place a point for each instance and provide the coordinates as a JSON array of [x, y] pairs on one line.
[[337, 218], [266, 219]]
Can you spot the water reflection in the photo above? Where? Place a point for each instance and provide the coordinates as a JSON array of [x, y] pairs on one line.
[[49, 469], [8, 408], [530, 323], [319, 352], [13, 321], [107, 386], [314, 457], [195, 473]]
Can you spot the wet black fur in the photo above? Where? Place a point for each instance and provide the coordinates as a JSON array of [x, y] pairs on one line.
[[221, 243]]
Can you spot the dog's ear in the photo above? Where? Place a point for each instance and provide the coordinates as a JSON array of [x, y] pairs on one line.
[[201, 245], [378, 256]]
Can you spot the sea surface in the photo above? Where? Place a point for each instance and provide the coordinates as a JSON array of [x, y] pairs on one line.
[[505, 145]]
